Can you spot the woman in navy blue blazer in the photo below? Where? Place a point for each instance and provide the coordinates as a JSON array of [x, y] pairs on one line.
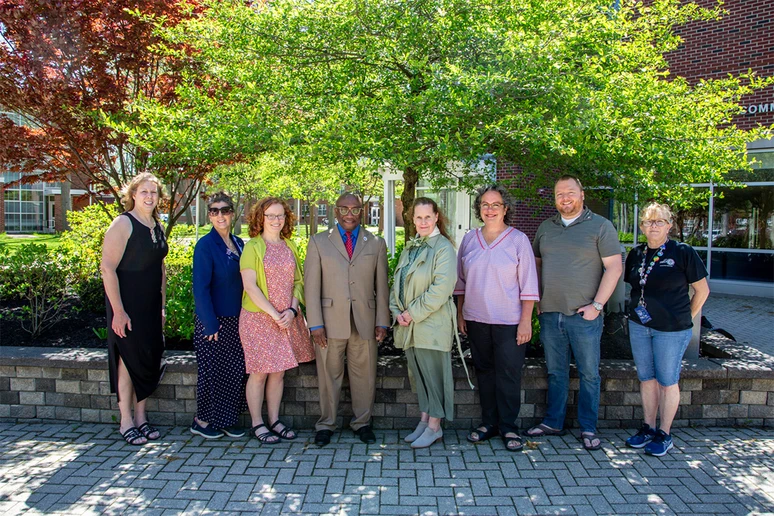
[[217, 286]]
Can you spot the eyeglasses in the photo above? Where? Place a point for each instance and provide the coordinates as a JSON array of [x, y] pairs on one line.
[[271, 216], [225, 210], [493, 206], [341, 210], [658, 223]]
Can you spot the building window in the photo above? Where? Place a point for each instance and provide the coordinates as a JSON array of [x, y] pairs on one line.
[[24, 206], [322, 210]]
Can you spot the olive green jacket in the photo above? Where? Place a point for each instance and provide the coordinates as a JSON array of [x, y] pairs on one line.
[[428, 289]]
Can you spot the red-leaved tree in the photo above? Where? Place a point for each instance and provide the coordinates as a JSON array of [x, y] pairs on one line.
[[65, 67]]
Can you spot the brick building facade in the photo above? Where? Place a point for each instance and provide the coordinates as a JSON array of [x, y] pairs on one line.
[[742, 40]]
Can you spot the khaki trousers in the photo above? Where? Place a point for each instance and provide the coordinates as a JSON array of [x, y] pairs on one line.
[[361, 357]]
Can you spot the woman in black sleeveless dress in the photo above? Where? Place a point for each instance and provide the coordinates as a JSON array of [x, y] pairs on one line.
[[133, 274]]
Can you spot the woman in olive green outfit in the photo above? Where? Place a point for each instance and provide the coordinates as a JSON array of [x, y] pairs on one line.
[[426, 318]]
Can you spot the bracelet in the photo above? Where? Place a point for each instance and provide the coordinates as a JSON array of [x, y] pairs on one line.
[[295, 312]]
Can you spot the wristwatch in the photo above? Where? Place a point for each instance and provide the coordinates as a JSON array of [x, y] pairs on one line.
[[597, 306]]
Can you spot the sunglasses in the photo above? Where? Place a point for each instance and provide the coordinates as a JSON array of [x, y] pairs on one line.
[[226, 210]]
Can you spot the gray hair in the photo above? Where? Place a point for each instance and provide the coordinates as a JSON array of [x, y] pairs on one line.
[[507, 200], [662, 210], [220, 197]]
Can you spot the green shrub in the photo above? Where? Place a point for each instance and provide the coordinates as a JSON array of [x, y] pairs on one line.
[[180, 301], [301, 242], [90, 291], [184, 231], [42, 279], [87, 230], [83, 243], [628, 238], [392, 261]]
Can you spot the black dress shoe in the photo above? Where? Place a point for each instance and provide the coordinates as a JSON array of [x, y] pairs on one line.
[[366, 434], [323, 437]]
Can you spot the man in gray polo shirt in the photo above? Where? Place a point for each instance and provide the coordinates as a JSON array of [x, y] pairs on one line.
[[578, 257]]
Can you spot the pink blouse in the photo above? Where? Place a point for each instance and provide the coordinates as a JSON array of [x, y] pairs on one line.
[[496, 278]]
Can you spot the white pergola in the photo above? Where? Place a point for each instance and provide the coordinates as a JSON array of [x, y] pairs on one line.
[[389, 176]]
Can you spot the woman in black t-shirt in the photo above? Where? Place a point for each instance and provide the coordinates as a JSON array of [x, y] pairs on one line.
[[661, 316]]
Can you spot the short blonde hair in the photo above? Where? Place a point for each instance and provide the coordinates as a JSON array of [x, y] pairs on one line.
[[130, 189], [656, 210]]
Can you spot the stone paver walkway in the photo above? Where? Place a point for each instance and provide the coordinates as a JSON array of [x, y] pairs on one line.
[[749, 319], [87, 469]]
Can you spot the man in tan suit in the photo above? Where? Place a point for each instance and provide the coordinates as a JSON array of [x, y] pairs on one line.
[[347, 309]]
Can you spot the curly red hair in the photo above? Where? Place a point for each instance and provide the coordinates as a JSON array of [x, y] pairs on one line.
[[255, 218]]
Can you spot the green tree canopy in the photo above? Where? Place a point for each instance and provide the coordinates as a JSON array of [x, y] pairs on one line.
[[570, 85]]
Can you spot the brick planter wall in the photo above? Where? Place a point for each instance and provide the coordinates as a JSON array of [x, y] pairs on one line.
[[72, 384]]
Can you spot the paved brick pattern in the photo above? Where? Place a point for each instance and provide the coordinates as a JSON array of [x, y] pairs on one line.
[[749, 319], [87, 469]]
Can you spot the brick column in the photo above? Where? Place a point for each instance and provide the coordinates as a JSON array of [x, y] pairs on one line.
[[60, 220]]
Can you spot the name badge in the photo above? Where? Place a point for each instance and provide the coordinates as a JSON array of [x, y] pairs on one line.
[[643, 314]]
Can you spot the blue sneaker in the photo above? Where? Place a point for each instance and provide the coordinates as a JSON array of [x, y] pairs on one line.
[[660, 444], [234, 431], [641, 438], [206, 432]]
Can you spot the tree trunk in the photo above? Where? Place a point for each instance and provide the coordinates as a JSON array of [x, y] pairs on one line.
[[381, 216], [67, 201], [410, 180], [312, 218]]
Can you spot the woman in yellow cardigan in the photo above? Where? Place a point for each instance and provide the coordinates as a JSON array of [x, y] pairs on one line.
[[273, 333], [421, 302]]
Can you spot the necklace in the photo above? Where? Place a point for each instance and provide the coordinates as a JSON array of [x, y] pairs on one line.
[[151, 227], [645, 273]]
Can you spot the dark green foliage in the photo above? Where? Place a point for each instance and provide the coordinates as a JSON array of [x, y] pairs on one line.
[[392, 261], [42, 280], [180, 301]]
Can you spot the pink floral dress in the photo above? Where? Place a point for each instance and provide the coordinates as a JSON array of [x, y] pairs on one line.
[[269, 348]]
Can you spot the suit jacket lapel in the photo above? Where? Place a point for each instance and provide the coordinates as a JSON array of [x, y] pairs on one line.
[[335, 237], [363, 237]]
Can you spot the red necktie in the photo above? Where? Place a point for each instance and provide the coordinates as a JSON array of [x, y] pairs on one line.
[[349, 244]]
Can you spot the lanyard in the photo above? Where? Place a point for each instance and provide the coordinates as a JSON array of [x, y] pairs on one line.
[[644, 273]]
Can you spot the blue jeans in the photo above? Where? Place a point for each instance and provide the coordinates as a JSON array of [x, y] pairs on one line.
[[658, 354], [559, 334]]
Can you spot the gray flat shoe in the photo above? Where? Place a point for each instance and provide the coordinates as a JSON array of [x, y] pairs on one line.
[[427, 438], [413, 436]]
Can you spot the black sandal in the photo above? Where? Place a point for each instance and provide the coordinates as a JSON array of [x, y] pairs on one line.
[[508, 442], [132, 435], [285, 432], [588, 438], [478, 436], [146, 429], [264, 436]]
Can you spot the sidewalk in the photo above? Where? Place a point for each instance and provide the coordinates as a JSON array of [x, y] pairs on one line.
[[87, 469], [749, 319]]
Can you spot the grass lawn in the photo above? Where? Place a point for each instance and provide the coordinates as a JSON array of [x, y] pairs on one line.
[[14, 241]]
